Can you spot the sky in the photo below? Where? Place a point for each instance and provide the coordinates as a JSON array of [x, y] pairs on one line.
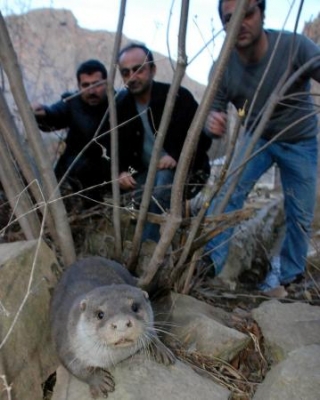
[[156, 23]]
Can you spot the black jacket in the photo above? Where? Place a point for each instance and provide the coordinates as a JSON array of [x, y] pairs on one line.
[[131, 134], [82, 122]]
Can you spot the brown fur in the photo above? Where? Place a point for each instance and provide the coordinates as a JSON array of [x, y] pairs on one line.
[[99, 318]]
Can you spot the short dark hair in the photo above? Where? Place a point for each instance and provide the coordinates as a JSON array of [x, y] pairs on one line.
[[90, 67], [260, 3], [141, 46]]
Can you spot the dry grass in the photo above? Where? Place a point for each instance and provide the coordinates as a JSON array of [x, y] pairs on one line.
[[242, 374]]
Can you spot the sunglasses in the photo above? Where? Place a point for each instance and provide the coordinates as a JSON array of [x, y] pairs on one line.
[[249, 14], [126, 72]]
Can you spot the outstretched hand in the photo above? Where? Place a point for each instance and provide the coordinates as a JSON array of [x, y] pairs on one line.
[[38, 110], [216, 123], [126, 181]]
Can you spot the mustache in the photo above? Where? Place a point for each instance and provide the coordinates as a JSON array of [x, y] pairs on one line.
[[131, 83]]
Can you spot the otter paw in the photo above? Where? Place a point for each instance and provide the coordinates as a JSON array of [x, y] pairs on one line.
[[101, 383], [161, 353]]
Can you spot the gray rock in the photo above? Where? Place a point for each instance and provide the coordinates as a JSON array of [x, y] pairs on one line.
[[26, 357], [287, 327], [296, 378], [141, 379], [200, 328], [249, 235]]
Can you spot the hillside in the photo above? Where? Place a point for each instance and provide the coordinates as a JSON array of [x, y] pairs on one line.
[[50, 45], [312, 30]]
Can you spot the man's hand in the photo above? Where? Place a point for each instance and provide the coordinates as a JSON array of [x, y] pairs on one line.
[[216, 123], [167, 162], [38, 110], [126, 181]]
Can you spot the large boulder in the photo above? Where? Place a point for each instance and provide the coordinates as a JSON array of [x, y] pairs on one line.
[[26, 357], [297, 377], [200, 327], [287, 327], [140, 378]]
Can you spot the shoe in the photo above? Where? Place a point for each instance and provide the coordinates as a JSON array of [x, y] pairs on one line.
[[271, 281], [277, 293], [272, 287], [205, 266]]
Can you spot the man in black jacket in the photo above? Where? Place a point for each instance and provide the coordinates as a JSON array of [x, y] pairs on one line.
[[142, 108], [85, 160]]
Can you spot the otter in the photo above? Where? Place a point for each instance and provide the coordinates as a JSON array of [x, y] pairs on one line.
[[99, 317]]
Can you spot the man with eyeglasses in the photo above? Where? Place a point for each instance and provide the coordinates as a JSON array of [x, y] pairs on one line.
[[82, 114], [141, 108], [257, 64]]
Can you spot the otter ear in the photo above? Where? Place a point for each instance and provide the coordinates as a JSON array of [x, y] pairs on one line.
[[145, 295], [83, 305]]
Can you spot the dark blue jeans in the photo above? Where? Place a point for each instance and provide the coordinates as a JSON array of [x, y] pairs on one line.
[[297, 164], [161, 194]]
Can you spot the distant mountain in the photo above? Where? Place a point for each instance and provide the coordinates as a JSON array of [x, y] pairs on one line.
[[312, 30], [50, 45]]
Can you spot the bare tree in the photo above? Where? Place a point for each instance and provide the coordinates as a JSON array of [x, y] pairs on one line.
[[197, 234], [62, 233], [174, 221], [114, 134], [180, 70]]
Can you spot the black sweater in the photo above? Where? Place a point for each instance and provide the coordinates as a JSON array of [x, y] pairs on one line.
[[131, 134]]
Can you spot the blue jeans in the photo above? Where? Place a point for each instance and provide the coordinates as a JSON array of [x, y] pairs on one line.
[[162, 194], [297, 164]]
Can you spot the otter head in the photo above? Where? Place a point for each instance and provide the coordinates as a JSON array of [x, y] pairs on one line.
[[119, 315]]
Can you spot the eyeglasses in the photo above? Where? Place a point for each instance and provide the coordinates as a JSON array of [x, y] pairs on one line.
[[249, 14], [92, 85], [125, 72]]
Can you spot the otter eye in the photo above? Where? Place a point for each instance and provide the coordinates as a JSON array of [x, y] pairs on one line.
[[135, 307], [100, 314]]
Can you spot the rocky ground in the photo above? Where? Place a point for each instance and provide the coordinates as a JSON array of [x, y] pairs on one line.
[[248, 345]]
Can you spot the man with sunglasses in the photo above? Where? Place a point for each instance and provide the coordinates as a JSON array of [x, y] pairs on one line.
[[82, 114], [141, 108], [257, 64]]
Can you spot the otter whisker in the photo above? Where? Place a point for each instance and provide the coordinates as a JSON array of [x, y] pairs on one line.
[[95, 325], [166, 323]]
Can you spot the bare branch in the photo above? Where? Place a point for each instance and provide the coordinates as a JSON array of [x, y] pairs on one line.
[[168, 30], [11, 67], [165, 120], [191, 140], [13, 185], [114, 134]]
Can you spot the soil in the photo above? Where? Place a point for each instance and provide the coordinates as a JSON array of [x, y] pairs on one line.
[[249, 367]]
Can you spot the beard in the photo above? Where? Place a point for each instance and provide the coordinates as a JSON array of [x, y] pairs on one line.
[[248, 39]]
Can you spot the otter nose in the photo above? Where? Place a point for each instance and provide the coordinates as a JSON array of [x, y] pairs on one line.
[[121, 324]]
